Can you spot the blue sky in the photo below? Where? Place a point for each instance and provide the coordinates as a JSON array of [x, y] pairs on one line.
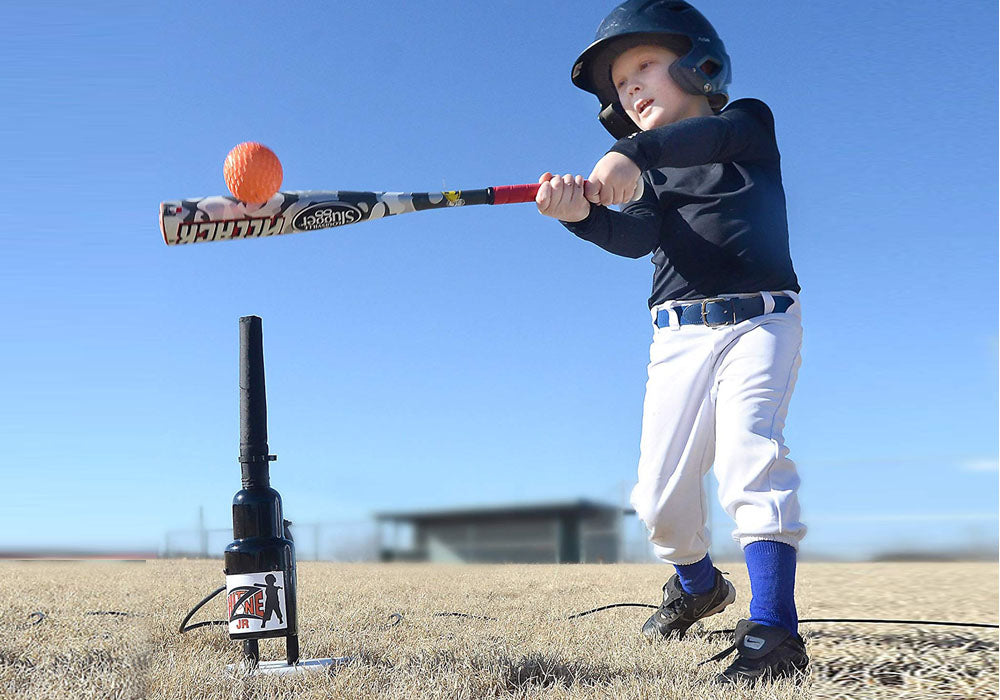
[[477, 355]]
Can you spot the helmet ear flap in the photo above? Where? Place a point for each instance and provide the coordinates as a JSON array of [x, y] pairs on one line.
[[616, 121], [689, 79], [700, 73]]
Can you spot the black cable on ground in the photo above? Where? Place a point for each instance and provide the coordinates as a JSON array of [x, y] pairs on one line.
[[803, 621], [613, 605], [38, 616], [906, 622], [396, 618], [807, 620], [883, 622], [117, 613], [34, 618], [196, 608], [458, 614]]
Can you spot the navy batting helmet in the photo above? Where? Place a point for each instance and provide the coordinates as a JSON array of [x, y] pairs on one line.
[[703, 66]]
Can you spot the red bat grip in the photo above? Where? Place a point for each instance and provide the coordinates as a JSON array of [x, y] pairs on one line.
[[513, 194]]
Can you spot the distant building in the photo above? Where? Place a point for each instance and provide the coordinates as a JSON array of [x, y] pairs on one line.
[[563, 532]]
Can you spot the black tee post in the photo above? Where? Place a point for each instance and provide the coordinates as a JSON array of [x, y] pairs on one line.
[[260, 561]]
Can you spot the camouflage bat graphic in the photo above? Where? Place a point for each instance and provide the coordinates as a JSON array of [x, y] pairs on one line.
[[226, 218]]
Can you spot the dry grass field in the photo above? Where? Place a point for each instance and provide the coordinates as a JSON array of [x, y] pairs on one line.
[[528, 651]]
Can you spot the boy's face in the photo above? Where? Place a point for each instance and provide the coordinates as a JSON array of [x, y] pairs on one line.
[[646, 90]]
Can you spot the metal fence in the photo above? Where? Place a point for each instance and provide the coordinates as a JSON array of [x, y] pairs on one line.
[[345, 541]]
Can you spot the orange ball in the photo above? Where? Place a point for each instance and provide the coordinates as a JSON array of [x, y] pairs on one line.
[[253, 173]]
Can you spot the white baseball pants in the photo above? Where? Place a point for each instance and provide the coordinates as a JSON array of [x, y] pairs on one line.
[[719, 395]]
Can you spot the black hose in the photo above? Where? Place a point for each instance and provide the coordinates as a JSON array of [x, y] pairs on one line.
[[807, 620], [196, 608], [906, 622], [458, 614], [613, 605], [397, 618], [117, 613]]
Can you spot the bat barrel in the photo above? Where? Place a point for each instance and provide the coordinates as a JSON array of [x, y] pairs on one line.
[[185, 221]]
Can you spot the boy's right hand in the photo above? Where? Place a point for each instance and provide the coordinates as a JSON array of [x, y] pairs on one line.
[[562, 197]]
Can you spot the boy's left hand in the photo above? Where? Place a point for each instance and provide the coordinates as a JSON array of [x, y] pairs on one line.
[[613, 180]]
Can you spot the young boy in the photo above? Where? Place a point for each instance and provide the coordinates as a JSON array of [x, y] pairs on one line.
[[725, 310]]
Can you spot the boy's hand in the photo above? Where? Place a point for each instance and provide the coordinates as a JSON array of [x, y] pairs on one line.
[[613, 181], [562, 197]]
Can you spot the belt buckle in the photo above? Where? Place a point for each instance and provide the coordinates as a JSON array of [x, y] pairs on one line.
[[704, 312]]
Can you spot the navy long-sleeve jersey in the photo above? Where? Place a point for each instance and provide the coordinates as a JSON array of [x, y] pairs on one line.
[[712, 210]]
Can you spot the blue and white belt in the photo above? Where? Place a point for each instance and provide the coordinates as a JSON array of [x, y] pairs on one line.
[[720, 312]]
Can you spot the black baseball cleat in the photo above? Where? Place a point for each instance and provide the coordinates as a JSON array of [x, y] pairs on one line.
[[764, 653], [681, 609]]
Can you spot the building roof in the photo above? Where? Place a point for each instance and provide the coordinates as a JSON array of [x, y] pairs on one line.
[[546, 508]]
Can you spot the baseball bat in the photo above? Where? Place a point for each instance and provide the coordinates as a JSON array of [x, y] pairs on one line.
[[226, 218]]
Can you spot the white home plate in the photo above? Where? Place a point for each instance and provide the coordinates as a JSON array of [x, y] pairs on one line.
[[281, 668]]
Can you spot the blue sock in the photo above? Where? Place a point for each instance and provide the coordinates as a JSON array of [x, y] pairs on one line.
[[771, 566], [698, 577]]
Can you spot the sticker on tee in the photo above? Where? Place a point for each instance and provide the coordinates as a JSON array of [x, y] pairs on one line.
[[256, 602]]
